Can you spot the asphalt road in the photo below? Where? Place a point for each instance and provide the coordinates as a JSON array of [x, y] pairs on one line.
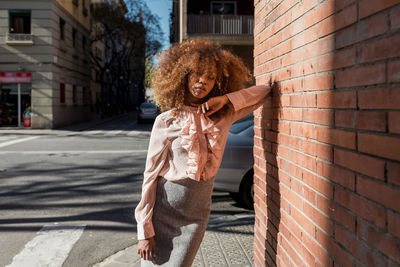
[[69, 196]]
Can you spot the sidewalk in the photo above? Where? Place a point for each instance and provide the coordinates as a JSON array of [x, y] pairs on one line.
[[74, 128], [228, 242]]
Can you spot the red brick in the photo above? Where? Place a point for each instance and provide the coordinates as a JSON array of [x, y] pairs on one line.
[[318, 252], [347, 240], [343, 58], [337, 175], [318, 116], [382, 241], [395, 18], [394, 71], [362, 30], [394, 224], [369, 7], [320, 185], [342, 257], [326, 27], [325, 152], [381, 98], [341, 215], [309, 195], [361, 207], [336, 137], [345, 17], [393, 173], [346, 99], [319, 47], [303, 100], [378, 192], [338, 21], [371, 257], [383, 146], [361, 76], [321, 220], [321, 12], [381, 49], [340, 4], [310, 148], [363, 120], [363, 164]]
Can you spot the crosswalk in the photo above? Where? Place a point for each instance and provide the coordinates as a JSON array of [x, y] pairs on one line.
[[50, 246], [14, 139]]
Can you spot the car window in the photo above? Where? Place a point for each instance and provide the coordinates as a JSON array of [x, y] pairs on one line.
[[240, 126], [147, 105]]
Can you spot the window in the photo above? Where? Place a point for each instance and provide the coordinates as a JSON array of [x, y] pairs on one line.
[[20, 21], [62, 28], [73, 36], [74, 94], [62, 93], [223, 8]]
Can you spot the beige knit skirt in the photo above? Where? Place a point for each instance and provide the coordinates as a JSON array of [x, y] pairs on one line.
[[180, 218]]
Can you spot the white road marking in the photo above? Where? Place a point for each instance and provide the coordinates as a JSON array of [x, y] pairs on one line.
[[12, 142], [50, 246], [74, 152], [133, 133], [112, 133], [8, 137], [92, 132]]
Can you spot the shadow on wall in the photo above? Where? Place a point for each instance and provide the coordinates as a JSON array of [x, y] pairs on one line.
[[326, 158]]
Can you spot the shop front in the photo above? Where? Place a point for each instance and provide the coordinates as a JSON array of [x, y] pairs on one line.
[[15, 99]]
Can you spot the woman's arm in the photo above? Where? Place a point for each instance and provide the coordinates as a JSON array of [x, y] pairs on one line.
[[247, 100], [156, 156], [243, 101]]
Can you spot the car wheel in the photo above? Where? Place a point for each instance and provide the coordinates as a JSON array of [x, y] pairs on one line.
[[246, 191]]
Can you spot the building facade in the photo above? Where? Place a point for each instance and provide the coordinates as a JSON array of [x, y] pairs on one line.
[[327, 144], [48, 41], [229, 23]]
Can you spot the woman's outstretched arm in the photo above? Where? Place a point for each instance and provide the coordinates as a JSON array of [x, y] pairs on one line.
[[243, 101], [247, 100]]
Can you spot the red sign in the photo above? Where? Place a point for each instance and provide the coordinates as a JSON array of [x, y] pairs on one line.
[[15, 77]]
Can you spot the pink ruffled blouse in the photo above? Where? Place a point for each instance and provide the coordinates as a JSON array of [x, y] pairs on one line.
[[189, 145]]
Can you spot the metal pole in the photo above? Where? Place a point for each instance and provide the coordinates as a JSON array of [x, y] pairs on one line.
[[19, 105]]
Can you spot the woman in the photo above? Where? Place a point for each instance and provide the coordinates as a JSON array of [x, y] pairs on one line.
[[196, 85]]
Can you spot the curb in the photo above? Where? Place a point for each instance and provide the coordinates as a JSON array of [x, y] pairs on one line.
[[127, 256]]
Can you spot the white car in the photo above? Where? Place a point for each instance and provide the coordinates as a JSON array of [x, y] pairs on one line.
[[147, 111], [235, 174]]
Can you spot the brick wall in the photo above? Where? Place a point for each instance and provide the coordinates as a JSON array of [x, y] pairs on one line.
[[327, 145]]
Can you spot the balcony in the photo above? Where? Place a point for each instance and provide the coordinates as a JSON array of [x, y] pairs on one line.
[[19, 39], [220, 24]]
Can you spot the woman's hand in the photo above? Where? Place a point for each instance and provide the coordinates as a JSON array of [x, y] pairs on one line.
[[147, 248], [213, 105]]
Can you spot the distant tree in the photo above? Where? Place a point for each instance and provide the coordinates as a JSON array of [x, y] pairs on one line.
[[128, 33]]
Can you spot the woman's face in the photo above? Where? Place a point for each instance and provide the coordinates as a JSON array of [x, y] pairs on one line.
[[200, 84]]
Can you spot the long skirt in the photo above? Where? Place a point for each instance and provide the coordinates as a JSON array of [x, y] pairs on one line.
[[180, 218]]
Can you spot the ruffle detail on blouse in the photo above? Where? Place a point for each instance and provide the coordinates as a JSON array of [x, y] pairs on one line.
[[190, 136]]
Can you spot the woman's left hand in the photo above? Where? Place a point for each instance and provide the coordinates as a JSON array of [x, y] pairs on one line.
[[213, 105]]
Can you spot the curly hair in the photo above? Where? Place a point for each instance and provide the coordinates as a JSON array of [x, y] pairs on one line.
[[196, 55]]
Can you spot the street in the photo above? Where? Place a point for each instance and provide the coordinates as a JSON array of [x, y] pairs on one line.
[[68, 196]]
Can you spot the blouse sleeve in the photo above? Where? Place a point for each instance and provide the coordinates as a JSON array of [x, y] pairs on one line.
[[247, 100], [156, 157]]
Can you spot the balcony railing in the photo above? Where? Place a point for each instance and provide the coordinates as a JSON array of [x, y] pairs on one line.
[[220, 24], [19, 38]]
